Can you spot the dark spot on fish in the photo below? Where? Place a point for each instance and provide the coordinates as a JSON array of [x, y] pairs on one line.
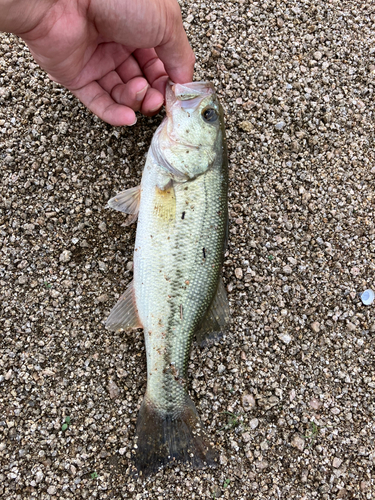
[[204, 253], [187, 152], [187, 130], [183, 215], [186, 189]]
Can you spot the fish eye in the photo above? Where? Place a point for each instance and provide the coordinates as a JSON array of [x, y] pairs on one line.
[[209, 115]]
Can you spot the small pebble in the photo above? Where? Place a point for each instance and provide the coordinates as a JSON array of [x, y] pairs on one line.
[[102, 266], [298, 442], [279, 125], [336, 462], [285, 337], [246, 437], [254, 423], [246, 126], [65, 256], [248, 402], [318, 55], [113, 390], [315, 327], [239, 273], [287, 269], [315, 403]]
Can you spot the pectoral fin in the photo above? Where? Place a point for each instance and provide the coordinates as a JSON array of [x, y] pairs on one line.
[[127, 202], [124, 316], [217, 317]]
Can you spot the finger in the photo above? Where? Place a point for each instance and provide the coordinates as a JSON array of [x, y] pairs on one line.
[[160, 84], [179, 62], [175, 51], [152, 102], [106, 58], [130, 94], [129, 69], [122, 22], [94, 97], [150, 64], [109, 81]]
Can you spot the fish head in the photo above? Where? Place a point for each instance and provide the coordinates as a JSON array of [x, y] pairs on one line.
[[191, 135]]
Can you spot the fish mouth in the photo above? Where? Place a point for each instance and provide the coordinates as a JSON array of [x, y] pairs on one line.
[[187, 95]]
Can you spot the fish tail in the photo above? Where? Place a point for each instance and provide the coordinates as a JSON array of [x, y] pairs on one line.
[[171, 437]]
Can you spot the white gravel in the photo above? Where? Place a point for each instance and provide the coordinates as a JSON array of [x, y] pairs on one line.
[[288, 394]]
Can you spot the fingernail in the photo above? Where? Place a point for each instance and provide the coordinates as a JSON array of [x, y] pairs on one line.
[[131, 124], [141, 93]]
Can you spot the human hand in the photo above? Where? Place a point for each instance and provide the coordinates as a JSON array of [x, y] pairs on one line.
[[115, 55]]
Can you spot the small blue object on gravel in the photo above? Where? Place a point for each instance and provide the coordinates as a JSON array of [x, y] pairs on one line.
[[367, 297]]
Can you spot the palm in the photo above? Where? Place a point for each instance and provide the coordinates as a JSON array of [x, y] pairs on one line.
[[113, 79]]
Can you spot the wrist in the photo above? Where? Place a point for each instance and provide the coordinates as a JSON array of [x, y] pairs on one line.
[[21, 16]]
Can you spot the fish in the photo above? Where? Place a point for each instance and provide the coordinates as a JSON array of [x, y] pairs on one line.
[[177, 292]]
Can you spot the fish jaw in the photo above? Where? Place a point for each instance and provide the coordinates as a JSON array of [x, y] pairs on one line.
[[177, 93]]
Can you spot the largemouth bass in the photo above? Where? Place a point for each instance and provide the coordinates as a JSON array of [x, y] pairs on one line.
[[177, 292]]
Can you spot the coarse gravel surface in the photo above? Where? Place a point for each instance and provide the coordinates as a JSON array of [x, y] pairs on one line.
[[288, 394]]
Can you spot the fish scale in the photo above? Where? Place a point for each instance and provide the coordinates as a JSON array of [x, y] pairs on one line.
[[179, 259]]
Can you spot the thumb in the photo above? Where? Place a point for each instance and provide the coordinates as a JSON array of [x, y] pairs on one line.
[[175, 51]]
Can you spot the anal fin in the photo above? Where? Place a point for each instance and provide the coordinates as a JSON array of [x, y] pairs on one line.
[[217, 316], [124, 316], [127, 202]]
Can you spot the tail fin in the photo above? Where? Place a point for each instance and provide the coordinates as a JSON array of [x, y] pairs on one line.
[[167, 437]]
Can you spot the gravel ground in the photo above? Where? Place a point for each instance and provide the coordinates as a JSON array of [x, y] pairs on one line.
[[287, 395]]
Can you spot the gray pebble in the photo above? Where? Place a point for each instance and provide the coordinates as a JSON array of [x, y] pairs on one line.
[[65, 256], [248, 402], [280, 125]]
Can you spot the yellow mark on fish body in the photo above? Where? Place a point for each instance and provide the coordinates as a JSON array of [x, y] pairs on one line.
[[165, 204]]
